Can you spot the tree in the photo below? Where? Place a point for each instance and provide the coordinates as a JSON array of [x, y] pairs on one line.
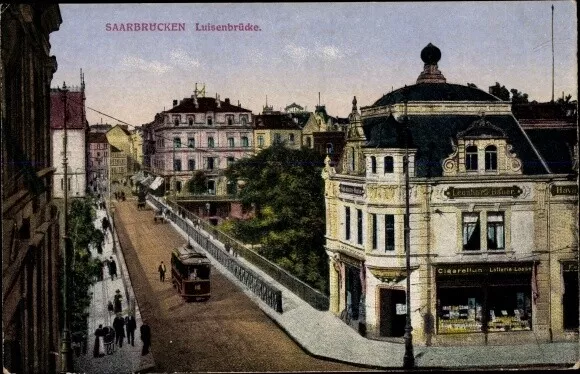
[[518, 97], [197, 184], [500, 91], [286, 190], [472, 85]]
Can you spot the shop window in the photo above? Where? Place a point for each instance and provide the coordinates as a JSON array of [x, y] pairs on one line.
[[191, 164], [374, 229], [245, 142], [359, 225], [389, 232], [570, 296], [495, 231], [510, 308], [471, 158], [210, 142], [460, 310], [347, 223], [471, 241], [373, 164], [490, 158], [388, 164]]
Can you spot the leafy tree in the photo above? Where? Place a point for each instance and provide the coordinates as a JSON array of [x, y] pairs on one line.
[[472, 85], [197, 184], [518, 97], [500, 91], [286, 190]]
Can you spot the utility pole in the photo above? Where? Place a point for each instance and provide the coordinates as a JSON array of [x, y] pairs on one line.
[[409, 357], [552, 52], [65, 351]]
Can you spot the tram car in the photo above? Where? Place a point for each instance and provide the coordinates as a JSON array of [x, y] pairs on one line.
[[190, 273]]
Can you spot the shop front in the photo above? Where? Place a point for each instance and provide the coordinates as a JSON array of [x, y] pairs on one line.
[[489, 297], [570, 295]]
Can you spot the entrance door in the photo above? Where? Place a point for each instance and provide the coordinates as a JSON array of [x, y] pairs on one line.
[[392, 318]]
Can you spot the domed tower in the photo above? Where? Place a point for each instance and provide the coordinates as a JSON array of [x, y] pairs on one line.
[[431, 74]]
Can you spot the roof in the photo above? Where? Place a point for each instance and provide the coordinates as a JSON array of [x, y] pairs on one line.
[[432, 135], [435, 92], [546, 111], [75, 110], [189, 255], [205, 104], [388, 133], [556, 145], [302, 118], [97, 137], [123, 128], [275, 122]]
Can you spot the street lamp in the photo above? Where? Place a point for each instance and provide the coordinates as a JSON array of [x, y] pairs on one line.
[[65, 349], [409, 357]]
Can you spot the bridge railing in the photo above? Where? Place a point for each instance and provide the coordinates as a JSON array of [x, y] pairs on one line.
[[315, 298], [266, 292]]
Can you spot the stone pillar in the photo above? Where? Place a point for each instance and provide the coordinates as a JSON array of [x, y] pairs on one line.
[[334, 286]]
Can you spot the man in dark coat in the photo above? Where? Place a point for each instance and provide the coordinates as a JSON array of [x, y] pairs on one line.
[[119, 326], [145, 337], [112, 268], [131, 326]]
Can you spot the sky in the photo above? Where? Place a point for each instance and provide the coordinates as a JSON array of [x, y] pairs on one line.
[[300, 49]]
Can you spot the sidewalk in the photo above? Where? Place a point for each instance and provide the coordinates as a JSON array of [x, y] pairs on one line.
[[126, 359], [324, 335]]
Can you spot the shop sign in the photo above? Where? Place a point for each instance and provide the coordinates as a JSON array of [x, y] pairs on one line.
[[564, 190], [352, 190], [453, 192], [569, 267], [458, 270]]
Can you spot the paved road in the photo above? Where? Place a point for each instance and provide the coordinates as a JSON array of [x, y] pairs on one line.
[[227, 333]]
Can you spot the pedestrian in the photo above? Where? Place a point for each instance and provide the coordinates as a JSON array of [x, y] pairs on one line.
[[113, 266], [145, 331], [117, 301], [99, 270], [99, 349], [119, 326], [110, 307], [161, 269], [131, 326], [105, 224]]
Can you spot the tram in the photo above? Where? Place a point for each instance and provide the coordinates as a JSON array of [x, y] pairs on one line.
[[190, 273]]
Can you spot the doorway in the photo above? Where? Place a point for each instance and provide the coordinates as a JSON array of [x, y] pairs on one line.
[[392, 312]]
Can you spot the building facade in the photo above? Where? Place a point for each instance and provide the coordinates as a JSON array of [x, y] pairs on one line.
[[493, 220], [76, 133], [30, 231], [199, 134], [275, 127], [99, 155], [122, 164], [325, 134]]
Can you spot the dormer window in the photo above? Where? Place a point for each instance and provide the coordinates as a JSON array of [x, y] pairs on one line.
[[329, 149], [244, 120], [373, 164], [176, 120], [191, 120], [471, 158], [209, 121], [388, 164], [230, 120], [490, 158]]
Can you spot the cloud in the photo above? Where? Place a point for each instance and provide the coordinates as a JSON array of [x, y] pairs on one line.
[[155, 67], [183, 59], [330, 52], [296, 52]]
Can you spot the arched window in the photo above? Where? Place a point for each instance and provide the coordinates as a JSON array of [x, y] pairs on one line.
[[329, 148], [491, 157], [388, 164], [373, 164], [471, 158]]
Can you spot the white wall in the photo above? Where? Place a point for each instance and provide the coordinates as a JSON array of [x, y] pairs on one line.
[[76, 154]]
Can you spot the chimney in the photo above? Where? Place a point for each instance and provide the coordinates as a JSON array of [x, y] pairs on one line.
[[217, 101], [174, 102], [227, 100]]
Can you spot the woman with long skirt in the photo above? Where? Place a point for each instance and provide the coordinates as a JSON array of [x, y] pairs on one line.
[[99, 349]]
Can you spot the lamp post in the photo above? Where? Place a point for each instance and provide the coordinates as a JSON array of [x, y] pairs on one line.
[[409, 357], [65, 349]]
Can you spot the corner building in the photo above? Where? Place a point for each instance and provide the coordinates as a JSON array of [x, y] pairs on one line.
[[493, 219]]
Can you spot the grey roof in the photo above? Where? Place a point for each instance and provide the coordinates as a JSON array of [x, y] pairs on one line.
[[432, 134], [556, 146], [435, 92]]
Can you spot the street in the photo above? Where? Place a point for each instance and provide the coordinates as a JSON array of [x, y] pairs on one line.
[[227, 333]]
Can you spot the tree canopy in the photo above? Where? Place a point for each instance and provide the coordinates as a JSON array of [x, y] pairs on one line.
[[197, 184], [286, 190]]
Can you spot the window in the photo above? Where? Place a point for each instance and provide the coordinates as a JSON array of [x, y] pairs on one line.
[[260, 141], [359, 217], [495, 231], [230, 121], [245, 142], [231, 142], [178, 186], [191, 164], [210, 163], [309, 142], [352, 163], [374, 225], [191, 142], [98, 154], [329, 148], [231, 161], [388, 164], [490, 158], [176, 120], [347, 223], [210, 142], [244, 120], [176, 165], [389, 232], [291, 138], [471, 232], [209, 121], [277, 138], [471, 158], [191, 120], [177, 142], [373, 164]]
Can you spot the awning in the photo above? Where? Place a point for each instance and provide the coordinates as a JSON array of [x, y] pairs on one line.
[[147, 181], [156, 183]]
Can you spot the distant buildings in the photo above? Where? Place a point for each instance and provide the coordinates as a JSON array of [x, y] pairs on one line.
[[99, 155], [77, 130], [493, 219], [122, 164], [276, 127], [31, 302]]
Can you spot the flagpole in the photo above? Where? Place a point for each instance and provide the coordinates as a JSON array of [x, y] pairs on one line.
[[552, 52]]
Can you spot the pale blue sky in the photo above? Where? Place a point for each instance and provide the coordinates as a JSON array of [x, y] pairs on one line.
[[337, 49]]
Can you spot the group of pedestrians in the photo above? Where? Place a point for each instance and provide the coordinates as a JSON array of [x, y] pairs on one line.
[[123, 327]]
